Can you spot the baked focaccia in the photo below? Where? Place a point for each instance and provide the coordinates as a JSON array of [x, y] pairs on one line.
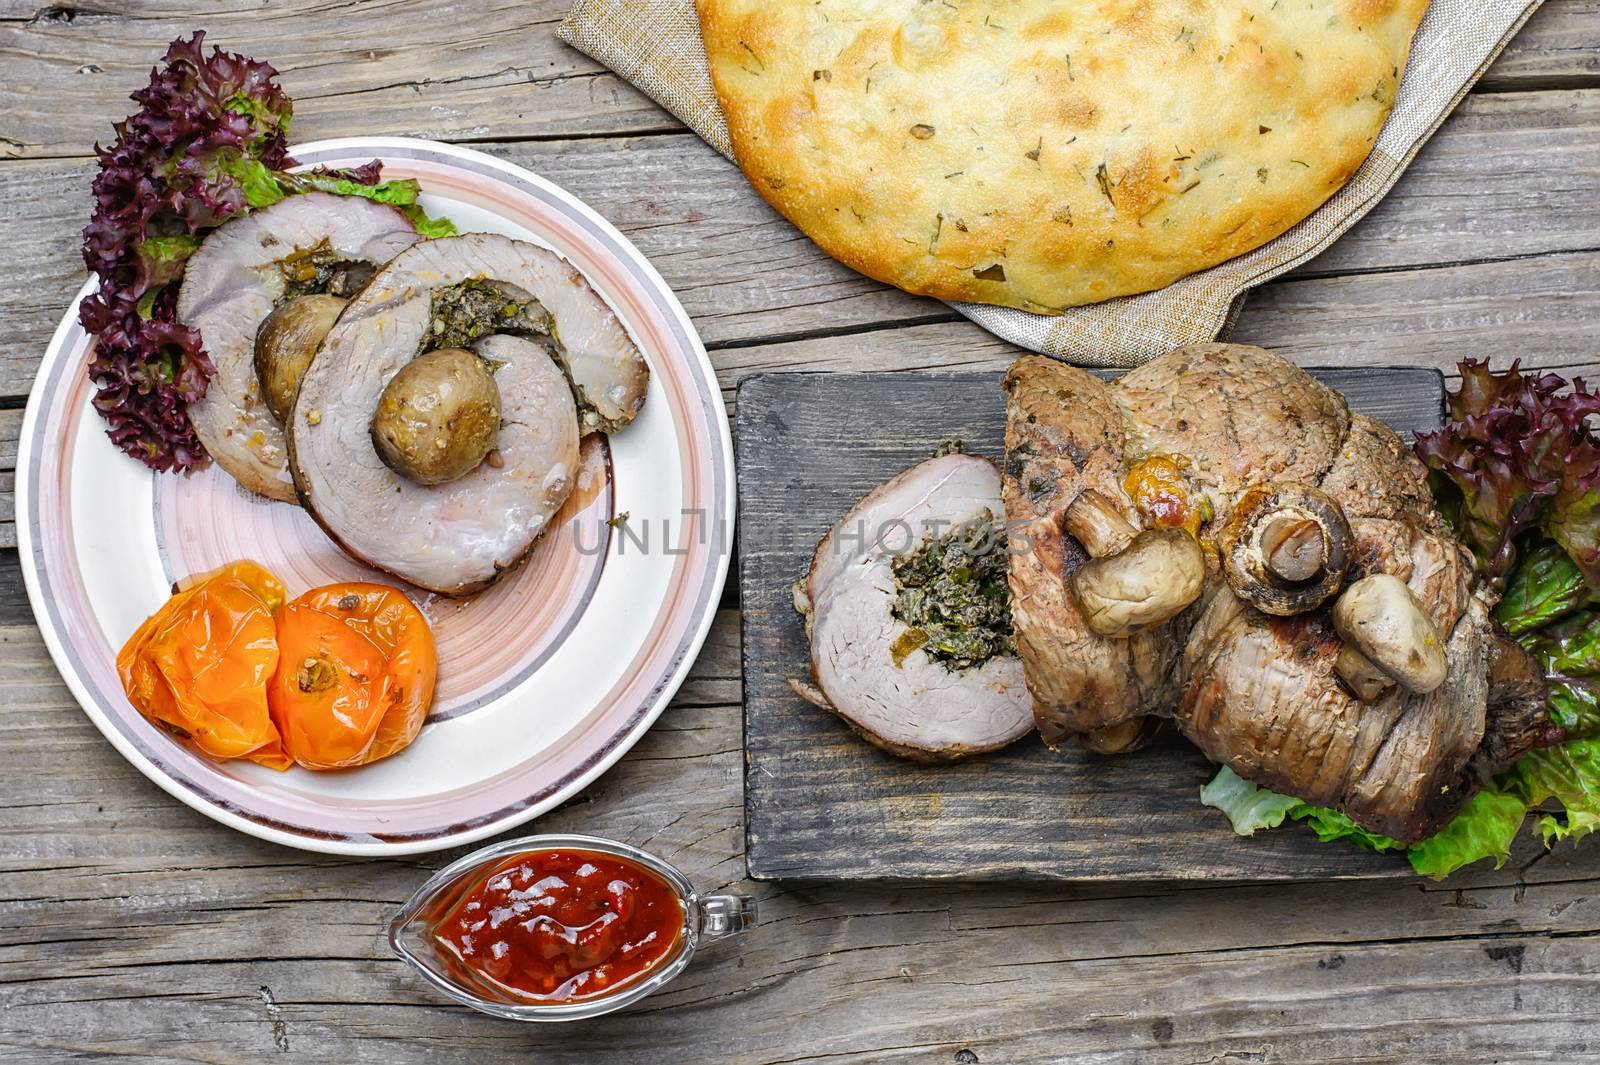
[[1044, 155]]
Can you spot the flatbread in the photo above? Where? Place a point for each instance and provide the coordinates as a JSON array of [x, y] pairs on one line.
[[1045, 155]]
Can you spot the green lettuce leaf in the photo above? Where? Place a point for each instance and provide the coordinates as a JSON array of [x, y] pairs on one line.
[[1569, 774], [1546, 587], [259, 181], [170, 249], [1569, 652], [1249, 808], [402, 193], [1485, 828], [1330, 825], [426, 225]]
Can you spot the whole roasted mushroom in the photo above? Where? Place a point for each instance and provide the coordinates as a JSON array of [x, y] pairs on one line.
[[1285, 547], [1134, 579], [1388, 639], [437, 417], [287, 342]]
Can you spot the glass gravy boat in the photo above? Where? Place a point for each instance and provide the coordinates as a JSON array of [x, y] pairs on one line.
[[412, 928]]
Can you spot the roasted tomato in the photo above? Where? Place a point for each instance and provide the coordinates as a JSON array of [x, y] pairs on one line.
[[200, 666], [356, 674], [1159, 488]]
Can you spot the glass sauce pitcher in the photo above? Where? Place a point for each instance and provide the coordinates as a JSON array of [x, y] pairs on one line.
[[413, 930]]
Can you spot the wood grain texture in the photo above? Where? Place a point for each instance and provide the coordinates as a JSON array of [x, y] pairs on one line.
[[749, 278], [455, 70], [821, 804], [132, 928], [459, 70], [1556, 49]]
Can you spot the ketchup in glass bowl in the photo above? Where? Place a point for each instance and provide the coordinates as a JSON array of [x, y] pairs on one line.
[[552, 928]]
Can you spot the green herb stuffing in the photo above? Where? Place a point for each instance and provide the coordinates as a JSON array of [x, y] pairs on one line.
[[471, 309], [951, 594], [320, 269]]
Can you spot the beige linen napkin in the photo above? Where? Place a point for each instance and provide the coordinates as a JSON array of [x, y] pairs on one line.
[[655, 44]]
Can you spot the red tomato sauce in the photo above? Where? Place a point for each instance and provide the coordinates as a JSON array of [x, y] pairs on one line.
[[564, 925]]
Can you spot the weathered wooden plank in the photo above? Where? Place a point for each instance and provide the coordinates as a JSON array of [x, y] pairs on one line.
[[1554, 50], [131, 926], [748, 277], [1544, 311], [1489, 186], [459, 70], [821, 804]]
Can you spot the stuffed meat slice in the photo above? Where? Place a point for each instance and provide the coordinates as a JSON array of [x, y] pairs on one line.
[[905, 608], [292, 263], [436, 434]]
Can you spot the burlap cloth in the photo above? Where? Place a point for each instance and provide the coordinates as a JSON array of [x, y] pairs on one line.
[[655, 44]]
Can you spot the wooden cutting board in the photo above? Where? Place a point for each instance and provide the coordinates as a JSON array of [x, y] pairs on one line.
[[822, 804]]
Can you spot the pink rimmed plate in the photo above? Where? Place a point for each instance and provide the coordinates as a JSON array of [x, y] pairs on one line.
[[544, 680]]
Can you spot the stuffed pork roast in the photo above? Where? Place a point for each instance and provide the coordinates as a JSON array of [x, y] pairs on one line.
[[905, 609], [1337, 647], [436, 434], [263, 290]]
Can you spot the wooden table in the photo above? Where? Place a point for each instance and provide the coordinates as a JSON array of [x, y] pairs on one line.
[[132, 927]]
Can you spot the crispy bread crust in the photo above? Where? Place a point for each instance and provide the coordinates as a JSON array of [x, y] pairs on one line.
[[1044, 154]]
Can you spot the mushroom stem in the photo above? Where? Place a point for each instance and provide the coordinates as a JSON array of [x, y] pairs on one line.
[[1097, 525], [1285, 547], [1381, 618], [1363, 678], [1293, 548], [1133, 579]]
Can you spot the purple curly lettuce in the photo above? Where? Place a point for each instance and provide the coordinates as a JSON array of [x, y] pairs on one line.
[[177, 169], [1519, 454]]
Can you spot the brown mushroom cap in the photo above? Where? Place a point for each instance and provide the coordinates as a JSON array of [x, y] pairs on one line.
[[1285, 547], [1364, 679], [1383, 620], [287, 342], [1153, 579]]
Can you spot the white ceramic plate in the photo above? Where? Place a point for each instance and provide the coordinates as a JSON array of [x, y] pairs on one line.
[[544, 680]]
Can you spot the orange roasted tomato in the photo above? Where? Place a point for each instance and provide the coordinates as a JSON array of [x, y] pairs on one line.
[[200, 666], [355, 676], [1159, 488]]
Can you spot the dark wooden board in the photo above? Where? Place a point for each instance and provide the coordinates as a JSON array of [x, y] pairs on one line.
[[822, 804]]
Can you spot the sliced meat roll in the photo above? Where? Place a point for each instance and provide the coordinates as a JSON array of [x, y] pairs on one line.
[[238, 276], [887, 681], [1064, 450], [459, 536]]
